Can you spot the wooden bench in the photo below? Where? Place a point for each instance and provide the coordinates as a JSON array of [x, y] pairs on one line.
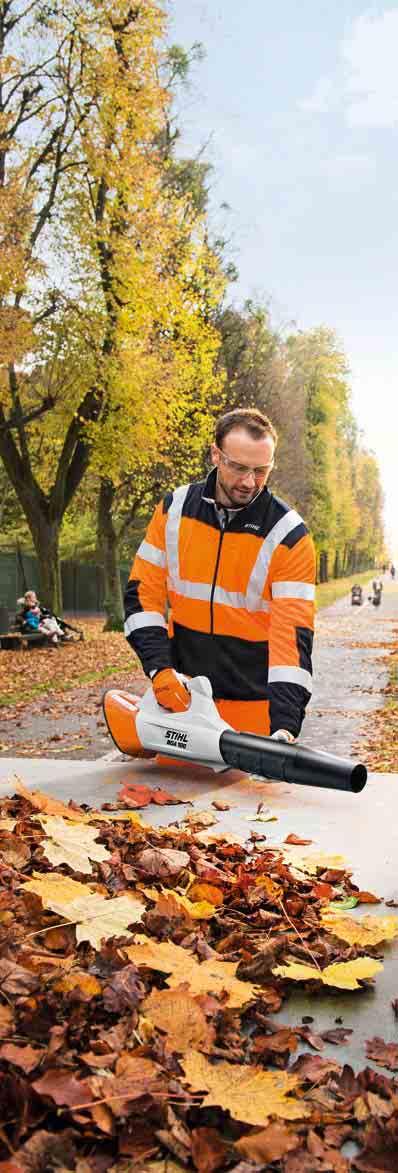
[[12, 638]]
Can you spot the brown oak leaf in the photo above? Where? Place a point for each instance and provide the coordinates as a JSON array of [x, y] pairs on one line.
[[162, 862], [124, 990], [27, 1058], [386, 1054], [270, 1144]]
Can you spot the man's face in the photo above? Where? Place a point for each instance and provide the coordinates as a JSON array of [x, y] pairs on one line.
[[243, 466]]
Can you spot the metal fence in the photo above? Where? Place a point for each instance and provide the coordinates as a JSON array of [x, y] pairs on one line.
[[82, 582]]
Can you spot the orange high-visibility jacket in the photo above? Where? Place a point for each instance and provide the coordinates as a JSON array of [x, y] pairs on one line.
[[241, 596]]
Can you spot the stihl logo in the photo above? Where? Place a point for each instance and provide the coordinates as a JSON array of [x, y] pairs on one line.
[[249, 525], [176, 739]]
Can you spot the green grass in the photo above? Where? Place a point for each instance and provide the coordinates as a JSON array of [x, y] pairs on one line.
[[50, 686], [328, 592]]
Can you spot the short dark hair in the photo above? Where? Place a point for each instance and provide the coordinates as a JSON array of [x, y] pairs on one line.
[[257, 424]]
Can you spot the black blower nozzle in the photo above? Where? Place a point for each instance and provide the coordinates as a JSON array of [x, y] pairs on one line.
[[283, 762]]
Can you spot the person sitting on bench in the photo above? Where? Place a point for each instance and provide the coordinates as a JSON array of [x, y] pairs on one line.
[[36, 619]]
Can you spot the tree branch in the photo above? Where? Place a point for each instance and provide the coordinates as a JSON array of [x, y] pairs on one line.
[[17, 420]]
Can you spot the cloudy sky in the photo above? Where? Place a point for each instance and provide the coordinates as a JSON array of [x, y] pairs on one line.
[[298, 104]]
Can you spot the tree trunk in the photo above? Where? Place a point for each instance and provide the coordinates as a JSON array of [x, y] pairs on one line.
[[45, 535], [44, 512], [108, 545]]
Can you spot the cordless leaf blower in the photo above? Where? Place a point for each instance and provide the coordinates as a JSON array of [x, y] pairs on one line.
[[142, 728]]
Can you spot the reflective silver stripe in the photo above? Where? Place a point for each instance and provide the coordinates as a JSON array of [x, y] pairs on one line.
[[173, 533], [202, 591], [260, 569], [151, 554], [293, 590], [236, 599], [290, 675], [144, 619], [191, 590]]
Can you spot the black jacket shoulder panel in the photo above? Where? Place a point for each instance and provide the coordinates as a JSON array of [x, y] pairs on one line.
[[167, 502], [291, 539]]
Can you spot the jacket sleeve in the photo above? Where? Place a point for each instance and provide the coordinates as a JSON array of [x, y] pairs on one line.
[[146, 597], [292, 585]]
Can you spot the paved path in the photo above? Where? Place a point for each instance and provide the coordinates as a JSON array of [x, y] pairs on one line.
[[350, 672]]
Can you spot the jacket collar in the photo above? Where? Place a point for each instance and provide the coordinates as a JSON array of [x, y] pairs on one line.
[[209, 495]]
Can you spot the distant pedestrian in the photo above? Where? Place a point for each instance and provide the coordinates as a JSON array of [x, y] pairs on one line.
[[392, 571]]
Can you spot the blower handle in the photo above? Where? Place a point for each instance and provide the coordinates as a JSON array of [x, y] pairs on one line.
[[281, 762]]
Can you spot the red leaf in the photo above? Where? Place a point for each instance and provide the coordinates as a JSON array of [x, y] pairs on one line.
[[162, 797], [322, 891], [297, 840], [61, 1086], [24, 1057], [134, 796]]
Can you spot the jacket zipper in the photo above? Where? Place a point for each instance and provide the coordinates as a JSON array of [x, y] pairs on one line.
[[223, 526]]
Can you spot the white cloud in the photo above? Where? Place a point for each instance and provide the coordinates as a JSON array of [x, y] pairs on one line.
[[365, 83]]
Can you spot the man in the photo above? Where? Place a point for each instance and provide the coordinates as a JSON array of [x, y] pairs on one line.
[[237, 567]]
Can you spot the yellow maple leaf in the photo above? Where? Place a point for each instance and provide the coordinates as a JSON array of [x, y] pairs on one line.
[[72, 843], [201, 891], [344, 975], [204, 977], [96, 918], [89, 985], [197, 909], [181, 1018], [313, 861], [365, 930], [250, 1094], [118, 817]]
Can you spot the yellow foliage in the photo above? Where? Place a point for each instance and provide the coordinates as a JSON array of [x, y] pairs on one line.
[[250, 1094], [86, 983], [181, 1018], [343, 975], [95, 917], [72, 844], [206, 977], [197, 909], [366, 930], [312, 862]]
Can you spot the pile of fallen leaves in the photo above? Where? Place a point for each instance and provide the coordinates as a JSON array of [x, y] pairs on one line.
[[140, 969]]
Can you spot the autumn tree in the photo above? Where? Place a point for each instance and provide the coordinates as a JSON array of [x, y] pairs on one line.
[[101, 302], [141, 459], [302, 382]]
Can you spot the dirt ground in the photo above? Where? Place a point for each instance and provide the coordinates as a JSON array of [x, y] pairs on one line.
[[351, 658]]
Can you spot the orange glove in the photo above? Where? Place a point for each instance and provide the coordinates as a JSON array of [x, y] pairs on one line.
[[170, 690]]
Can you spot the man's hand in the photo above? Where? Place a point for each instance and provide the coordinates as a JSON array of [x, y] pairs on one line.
[[171, 691], [283, 735]]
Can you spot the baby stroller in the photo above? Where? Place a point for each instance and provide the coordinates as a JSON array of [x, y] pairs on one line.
[[356, 595]]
